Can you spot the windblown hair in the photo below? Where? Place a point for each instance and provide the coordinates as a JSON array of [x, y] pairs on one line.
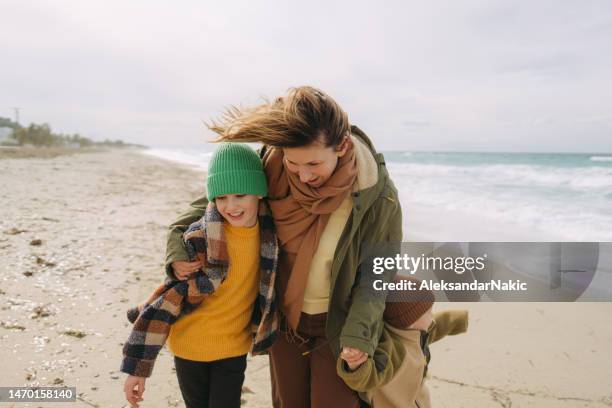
[[301, 117]]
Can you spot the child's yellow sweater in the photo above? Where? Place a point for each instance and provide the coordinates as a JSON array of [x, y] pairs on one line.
[[219, 327]]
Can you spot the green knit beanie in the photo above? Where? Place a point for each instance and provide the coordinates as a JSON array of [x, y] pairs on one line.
[[235, 168]]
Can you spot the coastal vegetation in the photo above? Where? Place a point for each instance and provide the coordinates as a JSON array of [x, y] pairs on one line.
[[41, 135]]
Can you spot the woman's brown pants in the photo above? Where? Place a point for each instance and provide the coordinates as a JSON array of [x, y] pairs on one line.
[[307, 381]]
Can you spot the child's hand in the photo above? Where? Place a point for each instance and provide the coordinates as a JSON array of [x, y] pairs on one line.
[[353, 357], [182, 269], [134, 388]]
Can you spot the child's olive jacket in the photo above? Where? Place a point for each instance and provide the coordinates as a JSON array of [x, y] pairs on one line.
[[355, 311], [402, 382]]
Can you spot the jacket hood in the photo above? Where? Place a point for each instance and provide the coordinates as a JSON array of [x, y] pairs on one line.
[[372, 175], [367, 168]]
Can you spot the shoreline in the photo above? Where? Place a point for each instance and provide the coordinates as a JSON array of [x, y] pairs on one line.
[[101, 219]]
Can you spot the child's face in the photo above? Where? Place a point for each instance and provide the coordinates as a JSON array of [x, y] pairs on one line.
[[240, 210]]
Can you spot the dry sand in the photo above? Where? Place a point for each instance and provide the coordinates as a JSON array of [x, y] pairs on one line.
[[101, 220]]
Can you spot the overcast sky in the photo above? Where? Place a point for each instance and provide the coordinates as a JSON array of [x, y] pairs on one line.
[[475, 75]]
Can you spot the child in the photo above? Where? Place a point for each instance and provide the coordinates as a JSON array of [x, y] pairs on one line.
[[395, 376], [213, 317]]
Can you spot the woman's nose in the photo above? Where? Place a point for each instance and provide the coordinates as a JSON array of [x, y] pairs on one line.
[[230, 204], [305, 176]]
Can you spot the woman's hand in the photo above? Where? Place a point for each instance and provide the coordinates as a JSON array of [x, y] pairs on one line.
[[182, 269], [134, 388], [353, 357]]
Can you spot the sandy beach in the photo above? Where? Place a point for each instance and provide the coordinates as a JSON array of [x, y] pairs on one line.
[[82, 237]]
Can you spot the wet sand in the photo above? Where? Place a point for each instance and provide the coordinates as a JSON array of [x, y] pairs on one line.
[[7, 152], [82, 237]]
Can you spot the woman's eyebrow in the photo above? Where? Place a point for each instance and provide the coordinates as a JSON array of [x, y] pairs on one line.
[[310, 162]]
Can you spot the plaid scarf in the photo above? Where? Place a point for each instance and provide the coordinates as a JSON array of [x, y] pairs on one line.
[[204, 241]]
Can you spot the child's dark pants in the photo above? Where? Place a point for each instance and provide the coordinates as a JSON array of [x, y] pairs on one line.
[[214, 384]]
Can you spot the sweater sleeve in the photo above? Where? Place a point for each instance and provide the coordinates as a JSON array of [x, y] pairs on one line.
[[175, 247]]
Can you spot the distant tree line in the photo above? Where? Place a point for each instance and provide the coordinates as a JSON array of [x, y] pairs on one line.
[[5, 122], [41, 135]]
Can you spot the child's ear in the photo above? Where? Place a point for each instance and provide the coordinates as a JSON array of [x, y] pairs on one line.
[[260, 197]]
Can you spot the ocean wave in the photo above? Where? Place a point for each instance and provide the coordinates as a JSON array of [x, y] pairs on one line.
[[570, 221], [579, 179], [571, 203], [601, 158], [198, 159]]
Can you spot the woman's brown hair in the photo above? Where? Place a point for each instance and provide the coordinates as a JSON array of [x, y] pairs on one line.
[[301, 117]]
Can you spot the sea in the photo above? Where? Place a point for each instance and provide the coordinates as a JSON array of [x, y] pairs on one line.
[[566, 195]]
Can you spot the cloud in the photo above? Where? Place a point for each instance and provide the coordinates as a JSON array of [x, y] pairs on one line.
[[413, 75]]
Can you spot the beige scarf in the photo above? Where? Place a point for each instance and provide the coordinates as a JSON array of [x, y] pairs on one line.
[[301, 213]]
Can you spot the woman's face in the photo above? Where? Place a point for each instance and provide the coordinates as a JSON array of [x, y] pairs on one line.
[[314, 163], [240, 210]]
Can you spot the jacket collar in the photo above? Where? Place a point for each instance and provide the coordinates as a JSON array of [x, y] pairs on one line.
[[372, 174], [367, 168]]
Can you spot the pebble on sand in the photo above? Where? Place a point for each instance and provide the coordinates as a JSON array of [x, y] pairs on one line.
[[14, 231], [75, 333]]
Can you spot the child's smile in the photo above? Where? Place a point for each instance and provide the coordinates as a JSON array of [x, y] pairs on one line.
[[240, 210]]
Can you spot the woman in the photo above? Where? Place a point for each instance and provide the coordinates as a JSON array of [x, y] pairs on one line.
[[330, 194]]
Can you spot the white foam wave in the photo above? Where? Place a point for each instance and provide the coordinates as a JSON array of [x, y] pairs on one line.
[[601, 158], [571, 203], [198, 159], [579, 179]]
